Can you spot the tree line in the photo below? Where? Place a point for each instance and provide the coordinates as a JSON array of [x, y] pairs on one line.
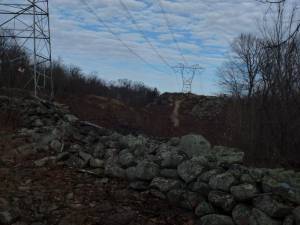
[[262, 76], [16, 72]]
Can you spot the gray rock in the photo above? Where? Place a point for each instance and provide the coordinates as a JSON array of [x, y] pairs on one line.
[[169, 173], [272, 207], [237, 170], [228, 156], [215, 219], [132, 142], [194, 145], [258, 217], [131, 173], [38, 123], [168, 158], [99, 151], [247, 179], [44, 161], [244, 192], [139, 185], [208, 174], [204, 208], [296, 214], [85, 157], [256, 174], [222, 182], [63, 156], [174, 141], [222, 200], [71, 118], [146, 170], [96, 163], [189, 170], [55, 145], [241, 214], [200, 187], [126, 159], [289, 220], [165, 185], [114, 171]]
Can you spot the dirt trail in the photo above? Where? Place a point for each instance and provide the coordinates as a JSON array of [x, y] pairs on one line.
[[175, 114]]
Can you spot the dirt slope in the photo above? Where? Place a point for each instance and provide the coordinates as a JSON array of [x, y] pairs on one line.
[[170, 115]]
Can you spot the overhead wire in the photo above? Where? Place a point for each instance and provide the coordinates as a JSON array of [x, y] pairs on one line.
[[138, 27], [171, 31], [108, 28]]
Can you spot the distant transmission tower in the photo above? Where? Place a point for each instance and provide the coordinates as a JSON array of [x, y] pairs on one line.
[[27, 23], [188, 74]]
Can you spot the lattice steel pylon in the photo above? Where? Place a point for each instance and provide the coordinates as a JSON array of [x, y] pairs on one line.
[[27, 23], [188, 74]]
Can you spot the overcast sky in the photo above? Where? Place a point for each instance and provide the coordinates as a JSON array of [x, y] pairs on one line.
[[203, 29]]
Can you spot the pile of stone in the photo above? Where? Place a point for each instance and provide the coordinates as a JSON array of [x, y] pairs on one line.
[[188, 172]]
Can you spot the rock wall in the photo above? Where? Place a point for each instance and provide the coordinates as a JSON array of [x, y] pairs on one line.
[[188, 172]]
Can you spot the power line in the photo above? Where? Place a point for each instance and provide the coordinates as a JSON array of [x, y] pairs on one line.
[[171, 31], [143, 34], [100, 20]]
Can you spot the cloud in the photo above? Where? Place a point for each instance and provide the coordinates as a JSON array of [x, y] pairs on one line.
[[203, 30]]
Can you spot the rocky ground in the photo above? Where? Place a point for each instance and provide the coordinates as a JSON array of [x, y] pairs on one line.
[[33, 191], [56, 169]]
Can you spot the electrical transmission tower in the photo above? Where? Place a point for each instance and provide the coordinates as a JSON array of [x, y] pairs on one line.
[[188, 74], [27, 23]]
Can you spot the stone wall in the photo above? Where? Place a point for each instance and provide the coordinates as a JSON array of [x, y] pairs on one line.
[[188, 172]]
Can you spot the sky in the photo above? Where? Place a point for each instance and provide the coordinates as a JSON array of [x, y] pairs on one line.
[[203, 30]]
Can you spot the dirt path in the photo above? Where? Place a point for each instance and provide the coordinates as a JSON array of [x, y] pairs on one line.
[[175, 114]]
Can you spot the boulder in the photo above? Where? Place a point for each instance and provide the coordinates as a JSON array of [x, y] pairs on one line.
[[96, 163], [289, 220], [146, 170], [244, 192], [271, 206], [194, 145], [126, 159], [241, 214], [114, 171], [169, 158], [258, 217], [189, 170], [215, 219], [247, 179], [85, 157], [165, 185], [169, 173], [222, 182], [131, 141], [131, 173], [208, 174], [139, 185], [204, 208], [200, 187], [222, 200], [228, 156]]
